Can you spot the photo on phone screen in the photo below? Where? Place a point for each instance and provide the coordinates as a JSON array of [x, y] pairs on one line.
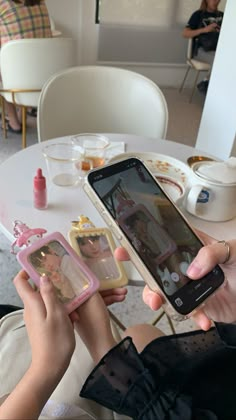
[[53, 261], [156, 230]]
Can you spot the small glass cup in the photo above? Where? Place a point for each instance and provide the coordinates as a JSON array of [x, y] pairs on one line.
[[63, 163], [93, 148]]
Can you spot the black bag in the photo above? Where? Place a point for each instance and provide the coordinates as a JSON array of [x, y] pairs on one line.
[[208, 41]]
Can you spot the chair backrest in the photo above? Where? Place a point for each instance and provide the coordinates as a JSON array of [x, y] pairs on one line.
[[101, 99], [28, 63], [52, 23]]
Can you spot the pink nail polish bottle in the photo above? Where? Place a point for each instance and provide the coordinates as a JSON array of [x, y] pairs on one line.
[[40, 190]]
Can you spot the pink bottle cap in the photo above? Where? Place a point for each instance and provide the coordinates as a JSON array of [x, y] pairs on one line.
[[39, 180]]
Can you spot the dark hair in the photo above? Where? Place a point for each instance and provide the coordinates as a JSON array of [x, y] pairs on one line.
[[36, 258], [204, 5], [29, 2], [138, 216], [81, 239]]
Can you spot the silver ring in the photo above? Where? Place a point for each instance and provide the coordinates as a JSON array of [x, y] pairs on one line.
[[226, 244]]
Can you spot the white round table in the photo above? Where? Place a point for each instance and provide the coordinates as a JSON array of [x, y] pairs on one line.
[[67, 203]]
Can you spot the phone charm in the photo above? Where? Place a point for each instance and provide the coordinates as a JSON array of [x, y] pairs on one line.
[[25, 235], [96, 246]]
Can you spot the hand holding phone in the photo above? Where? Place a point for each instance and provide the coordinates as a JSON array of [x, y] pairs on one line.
[[53, 257], [156, 235]]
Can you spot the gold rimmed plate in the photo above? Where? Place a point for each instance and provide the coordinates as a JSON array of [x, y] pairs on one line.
[[160, 164], [197, 159]]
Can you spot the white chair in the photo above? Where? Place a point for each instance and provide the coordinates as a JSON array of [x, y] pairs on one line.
[[194, 64], [101, 99], [26, 64], [55, 32]]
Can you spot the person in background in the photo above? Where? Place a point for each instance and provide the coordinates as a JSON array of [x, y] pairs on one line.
[[204, 27], [22, 19]]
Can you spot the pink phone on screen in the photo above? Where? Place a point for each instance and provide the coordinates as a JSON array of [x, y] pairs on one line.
[[52, 256]]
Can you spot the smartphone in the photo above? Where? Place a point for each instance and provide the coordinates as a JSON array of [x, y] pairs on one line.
[[52, 256], [160, 242]]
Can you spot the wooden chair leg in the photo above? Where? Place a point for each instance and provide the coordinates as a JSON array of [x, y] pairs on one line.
[[185, 77], [4, 125], [24, 112]]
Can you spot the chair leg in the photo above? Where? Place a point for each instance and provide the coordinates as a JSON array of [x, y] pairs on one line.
[[4, 125], [117, 321], [171, 324], [24, 112], [158, 318], [185, 77], [194, 86]]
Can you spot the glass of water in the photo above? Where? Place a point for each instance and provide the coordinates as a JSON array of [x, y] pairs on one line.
[[64, 162]]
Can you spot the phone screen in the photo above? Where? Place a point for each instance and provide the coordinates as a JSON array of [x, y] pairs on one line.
[[156, 230]]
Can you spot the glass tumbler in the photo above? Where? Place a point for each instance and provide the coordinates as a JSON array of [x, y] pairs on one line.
[[63, 163], [93, 148]]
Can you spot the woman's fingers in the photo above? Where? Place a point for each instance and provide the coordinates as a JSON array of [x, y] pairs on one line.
[[48, 295], [121, 254], [31, 298], [46, 301], [152, 299], [207, 258], [117, 291], [24, 290], [202, 320], [114, 295]]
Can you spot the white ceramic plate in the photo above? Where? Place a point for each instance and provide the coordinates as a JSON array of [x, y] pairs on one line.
[[161, 165]]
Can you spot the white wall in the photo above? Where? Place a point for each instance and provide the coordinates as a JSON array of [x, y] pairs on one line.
[[161, 13], [67, 19], [163, 75], [218, 124], [78, 21]]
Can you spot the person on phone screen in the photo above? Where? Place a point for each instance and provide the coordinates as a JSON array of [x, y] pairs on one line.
[[145, 376], [204, 27]]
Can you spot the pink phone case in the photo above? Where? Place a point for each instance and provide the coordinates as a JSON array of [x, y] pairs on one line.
[[52, 256]]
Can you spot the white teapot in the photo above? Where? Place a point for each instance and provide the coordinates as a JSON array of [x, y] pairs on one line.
[[213, 193]]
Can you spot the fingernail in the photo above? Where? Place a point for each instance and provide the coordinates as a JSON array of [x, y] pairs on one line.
[[44, 280], [194, 270], [148, 300]]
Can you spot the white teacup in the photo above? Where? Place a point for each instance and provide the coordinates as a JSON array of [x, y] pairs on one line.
[[211, 200], [174, 188]]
